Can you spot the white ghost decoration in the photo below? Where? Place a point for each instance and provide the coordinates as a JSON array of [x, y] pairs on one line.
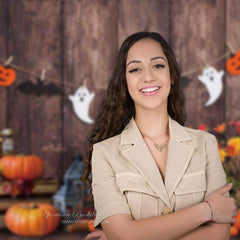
[[212, 79], [81, 101]]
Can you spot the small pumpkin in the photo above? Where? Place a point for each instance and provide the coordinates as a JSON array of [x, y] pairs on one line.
[[32, 219], [233, 231], [7, 76], [233, 64], [21, 166]]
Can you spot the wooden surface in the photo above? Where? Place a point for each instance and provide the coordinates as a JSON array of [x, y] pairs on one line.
[[137, 15], [57, 235], [87, 57], [36, 120], [232, 37], [195, 30], [3, 54], [78, 40]]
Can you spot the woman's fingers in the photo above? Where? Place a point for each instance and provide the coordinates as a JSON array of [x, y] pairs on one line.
[[103, 237], [95, 234], [224, 189]]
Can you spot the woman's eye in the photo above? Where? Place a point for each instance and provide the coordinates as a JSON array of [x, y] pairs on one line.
[[134, 70], [159, 66]]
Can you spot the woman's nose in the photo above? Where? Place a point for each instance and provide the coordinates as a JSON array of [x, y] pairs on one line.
[[148, 76]]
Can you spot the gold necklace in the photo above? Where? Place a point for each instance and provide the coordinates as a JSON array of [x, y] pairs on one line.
[[159, 147]]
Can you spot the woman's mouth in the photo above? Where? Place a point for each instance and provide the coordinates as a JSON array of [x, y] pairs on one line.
[[149, 91]]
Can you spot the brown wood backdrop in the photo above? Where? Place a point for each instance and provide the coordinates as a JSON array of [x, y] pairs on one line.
[[77, 40]]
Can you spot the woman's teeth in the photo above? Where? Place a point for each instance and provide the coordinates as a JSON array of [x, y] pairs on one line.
[[147, 90]]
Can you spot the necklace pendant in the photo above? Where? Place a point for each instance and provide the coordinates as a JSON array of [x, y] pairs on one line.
[[160, 148]]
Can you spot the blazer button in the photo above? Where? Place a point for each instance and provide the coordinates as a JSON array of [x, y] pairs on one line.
[[166, 211]]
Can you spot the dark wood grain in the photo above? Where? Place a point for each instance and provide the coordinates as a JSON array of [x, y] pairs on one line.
[[198, 32], [78, 40], [3, 55], [143, 15], [90, 47], [35, 42], [232, 82], [57, 235]]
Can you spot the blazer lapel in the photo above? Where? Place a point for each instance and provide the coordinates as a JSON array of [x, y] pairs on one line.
[[139, 155], [179, 155]]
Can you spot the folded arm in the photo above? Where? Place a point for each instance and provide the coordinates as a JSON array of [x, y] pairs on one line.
[[210, 231]]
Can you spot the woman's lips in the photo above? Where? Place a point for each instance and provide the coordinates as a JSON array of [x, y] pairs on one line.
[[149, 91]]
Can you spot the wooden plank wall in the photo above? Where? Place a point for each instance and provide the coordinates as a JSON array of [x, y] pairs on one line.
[[77, 41]]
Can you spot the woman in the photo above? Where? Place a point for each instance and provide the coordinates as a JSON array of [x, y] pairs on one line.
[[151, 175]]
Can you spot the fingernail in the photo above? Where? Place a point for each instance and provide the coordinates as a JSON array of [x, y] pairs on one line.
[[230, 184]]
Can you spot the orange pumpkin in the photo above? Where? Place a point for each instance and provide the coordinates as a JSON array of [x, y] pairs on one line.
[[233, 64], [237, 223], [7, 76], [91, 226], [233, 231], [32, 219], [21, 166]]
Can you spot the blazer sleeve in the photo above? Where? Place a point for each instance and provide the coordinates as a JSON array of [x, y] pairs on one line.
[[215, 175], [108, 200]]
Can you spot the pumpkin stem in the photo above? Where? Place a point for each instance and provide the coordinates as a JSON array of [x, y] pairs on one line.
[[29, 205]]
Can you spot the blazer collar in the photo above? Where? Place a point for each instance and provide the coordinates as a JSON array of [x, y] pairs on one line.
[[179, 155], [131, 133]]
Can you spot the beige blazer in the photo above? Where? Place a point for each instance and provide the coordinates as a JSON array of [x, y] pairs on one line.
[[126, 179]]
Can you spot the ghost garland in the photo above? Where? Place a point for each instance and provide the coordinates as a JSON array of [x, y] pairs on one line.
[[233, 64], [212, 79], [81, 103], [7, 74]]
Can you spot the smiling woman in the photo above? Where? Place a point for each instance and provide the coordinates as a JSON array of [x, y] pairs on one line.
[[150, 174], [147, 75]]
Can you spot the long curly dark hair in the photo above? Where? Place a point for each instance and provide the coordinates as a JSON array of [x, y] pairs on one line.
[[118, 107]]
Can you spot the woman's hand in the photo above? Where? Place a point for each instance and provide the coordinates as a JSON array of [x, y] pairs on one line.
[[96, 234], [224, 208]]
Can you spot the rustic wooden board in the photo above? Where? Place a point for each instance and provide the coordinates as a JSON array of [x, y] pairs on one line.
[[42, 186], [5, 203], [90, 43], [3, 55], [2, 221], [143, 15], [78, 40], [198, 32], [35, 41], [232, 82], [56, 235]]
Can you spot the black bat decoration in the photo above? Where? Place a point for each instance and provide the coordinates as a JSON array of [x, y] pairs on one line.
[[39, 89]]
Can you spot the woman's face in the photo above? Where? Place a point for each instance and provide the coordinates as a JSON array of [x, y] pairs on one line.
[[147, 75]]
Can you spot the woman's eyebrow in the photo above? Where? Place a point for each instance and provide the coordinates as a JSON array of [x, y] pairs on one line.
[[134, 61], [153, 58]]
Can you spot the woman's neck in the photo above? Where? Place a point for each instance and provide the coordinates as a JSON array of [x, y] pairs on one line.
[[153, 124]]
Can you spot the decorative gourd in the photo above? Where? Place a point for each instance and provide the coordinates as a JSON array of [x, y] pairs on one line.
[[233, 64], [7, 76], [21, 166], [32, 219]]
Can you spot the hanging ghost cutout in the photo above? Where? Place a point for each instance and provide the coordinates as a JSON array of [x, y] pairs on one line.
[[212, 79], [81, 102]]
